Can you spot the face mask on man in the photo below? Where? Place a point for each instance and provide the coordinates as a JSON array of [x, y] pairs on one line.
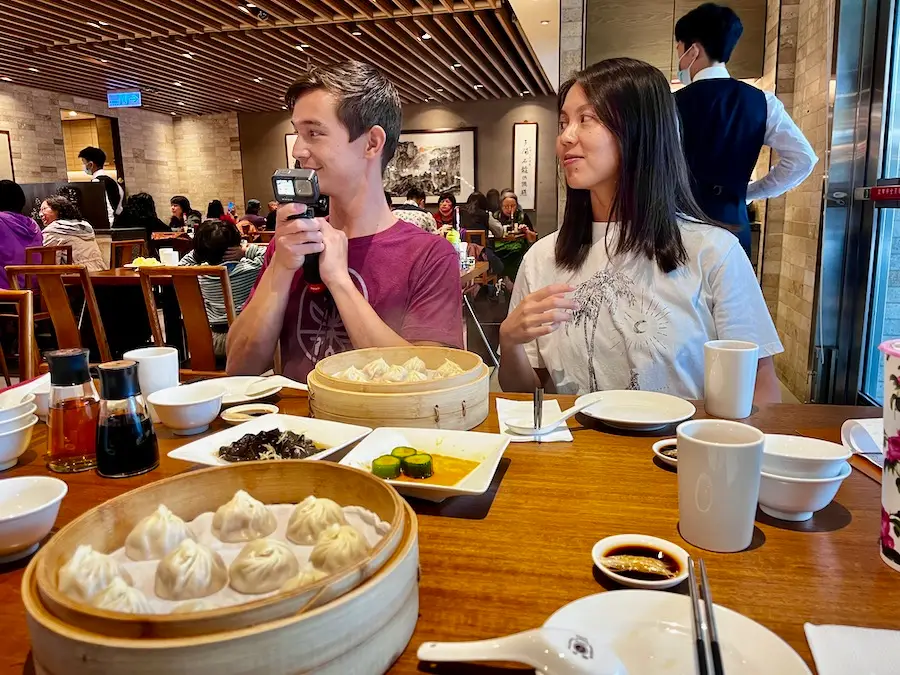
[[684, 74], [87, 170]]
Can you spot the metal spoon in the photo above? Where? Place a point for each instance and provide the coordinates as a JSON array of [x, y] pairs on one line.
[[552, 651], [523, 427], [267, 385]]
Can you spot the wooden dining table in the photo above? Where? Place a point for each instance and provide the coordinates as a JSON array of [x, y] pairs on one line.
[[505, 561]]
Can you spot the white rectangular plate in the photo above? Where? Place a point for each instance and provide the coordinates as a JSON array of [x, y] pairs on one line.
[[333, 435], [487, 449]]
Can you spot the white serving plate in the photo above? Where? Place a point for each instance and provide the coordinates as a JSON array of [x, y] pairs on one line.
[[637, 410], [236, 388], [334, 435], [650, 632], [487, 449]]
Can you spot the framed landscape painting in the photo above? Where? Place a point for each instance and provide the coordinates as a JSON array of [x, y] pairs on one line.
[[434, 161]]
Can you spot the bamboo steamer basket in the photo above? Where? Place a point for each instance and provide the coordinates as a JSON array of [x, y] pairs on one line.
[[433, 357], [360, 633], [106, 526], [463, 407]]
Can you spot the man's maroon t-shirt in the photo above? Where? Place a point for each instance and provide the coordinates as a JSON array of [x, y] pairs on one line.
[[408, 276]]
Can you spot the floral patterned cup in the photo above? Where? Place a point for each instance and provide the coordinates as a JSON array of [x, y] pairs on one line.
[[890, 480]]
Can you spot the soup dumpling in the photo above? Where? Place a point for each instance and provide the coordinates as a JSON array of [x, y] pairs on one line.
[[120, 597], [375, 369], [262, 566], [88, 572], [311, 517], [449, 368], [395, 374], [243, 519], [352, 374], [415, 376], [416, 364], [337, 547], [191, 571], [156, 535], [307, 576]]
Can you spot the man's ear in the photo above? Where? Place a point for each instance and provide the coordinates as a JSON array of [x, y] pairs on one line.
[[375, 142]]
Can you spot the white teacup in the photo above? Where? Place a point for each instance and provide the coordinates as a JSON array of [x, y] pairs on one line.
[[730, 377], [157, 369], [719, 468]]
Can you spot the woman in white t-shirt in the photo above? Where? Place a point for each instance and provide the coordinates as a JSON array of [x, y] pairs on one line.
[[633, 284]]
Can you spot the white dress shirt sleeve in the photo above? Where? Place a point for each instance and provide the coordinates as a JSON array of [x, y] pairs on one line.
[[796, 157]]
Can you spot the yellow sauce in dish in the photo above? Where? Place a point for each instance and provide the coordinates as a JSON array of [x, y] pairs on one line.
[[448, 471]]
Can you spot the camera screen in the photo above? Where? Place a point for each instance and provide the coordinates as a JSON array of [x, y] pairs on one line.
[[285, 187]]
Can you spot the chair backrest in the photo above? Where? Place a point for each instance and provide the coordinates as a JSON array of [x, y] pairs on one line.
[[266, 236], [186, 280], [48, 255], [25, 311], [475, 237], [52, 280], [123, 252]]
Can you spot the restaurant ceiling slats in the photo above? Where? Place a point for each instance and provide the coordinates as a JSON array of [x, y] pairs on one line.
[[207, 56]]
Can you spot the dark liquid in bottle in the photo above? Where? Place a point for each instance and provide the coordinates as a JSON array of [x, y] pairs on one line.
[[126, 446], [72, 437]]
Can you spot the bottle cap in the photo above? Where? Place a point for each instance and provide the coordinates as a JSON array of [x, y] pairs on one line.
[[68, 367], [118, 380]]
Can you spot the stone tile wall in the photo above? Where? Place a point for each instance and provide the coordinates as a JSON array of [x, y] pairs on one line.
[[197, 156], [571, 60]]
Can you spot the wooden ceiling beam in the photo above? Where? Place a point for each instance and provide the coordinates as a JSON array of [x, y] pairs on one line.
[[473, 32], [349, 43], [514, 36], [390, 41], [292, 11], [78, 13], [229, 12], [484, 21], [217, 20], [138, 10], [437, 61], [25, 27], [339, 11], [451, 25], [457, 55]]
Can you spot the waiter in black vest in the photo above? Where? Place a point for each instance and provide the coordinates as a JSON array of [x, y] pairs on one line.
[[725, 123]]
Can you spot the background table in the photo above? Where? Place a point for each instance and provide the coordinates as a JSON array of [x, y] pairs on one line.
[[505, 562]]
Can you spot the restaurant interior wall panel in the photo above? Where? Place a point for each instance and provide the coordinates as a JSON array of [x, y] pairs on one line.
[[263, 148], [208, 149], [36, 137], [642, 29], [571, 60]]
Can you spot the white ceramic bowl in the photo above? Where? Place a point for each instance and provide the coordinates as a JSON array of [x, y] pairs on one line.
[[42, 400], [188, 409], [796, 499], [802, 457], [604, 546], [28, 509], [14, 442], [10, 411], [16, 422]]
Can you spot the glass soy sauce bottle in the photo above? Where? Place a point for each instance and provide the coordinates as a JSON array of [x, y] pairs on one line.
[[73, 411], [126, 444]]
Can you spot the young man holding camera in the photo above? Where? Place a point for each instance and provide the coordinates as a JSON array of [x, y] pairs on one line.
[[388, 282]]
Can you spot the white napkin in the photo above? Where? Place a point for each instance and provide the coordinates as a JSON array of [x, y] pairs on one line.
[[848, 650], [508, 410], [865, 438]]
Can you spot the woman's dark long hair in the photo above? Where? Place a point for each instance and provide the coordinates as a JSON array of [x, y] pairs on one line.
[[633, 101], [214, 210], [476, 202], [139, 208]]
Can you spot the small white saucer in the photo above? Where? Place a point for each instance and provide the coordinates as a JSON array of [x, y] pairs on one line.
[[244, 413], [659, 446], [602, 547]]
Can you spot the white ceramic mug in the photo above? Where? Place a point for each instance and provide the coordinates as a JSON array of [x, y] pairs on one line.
[[157, 369], [730, 377], [719, 464], [168, 256]]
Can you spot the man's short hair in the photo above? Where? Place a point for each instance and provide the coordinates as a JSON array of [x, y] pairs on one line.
[[212, 239], [95, 155], [415, 194], [253, 206], [715, 27], [366, 98]]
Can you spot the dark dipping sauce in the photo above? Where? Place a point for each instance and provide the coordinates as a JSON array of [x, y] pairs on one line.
[[645, 552], [126, 446]]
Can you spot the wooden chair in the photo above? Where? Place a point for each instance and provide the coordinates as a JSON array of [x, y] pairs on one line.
[[52, 286], [49, 255], [476, 237], [24, 310], [126, 248], [186, 281], [266, 236]]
